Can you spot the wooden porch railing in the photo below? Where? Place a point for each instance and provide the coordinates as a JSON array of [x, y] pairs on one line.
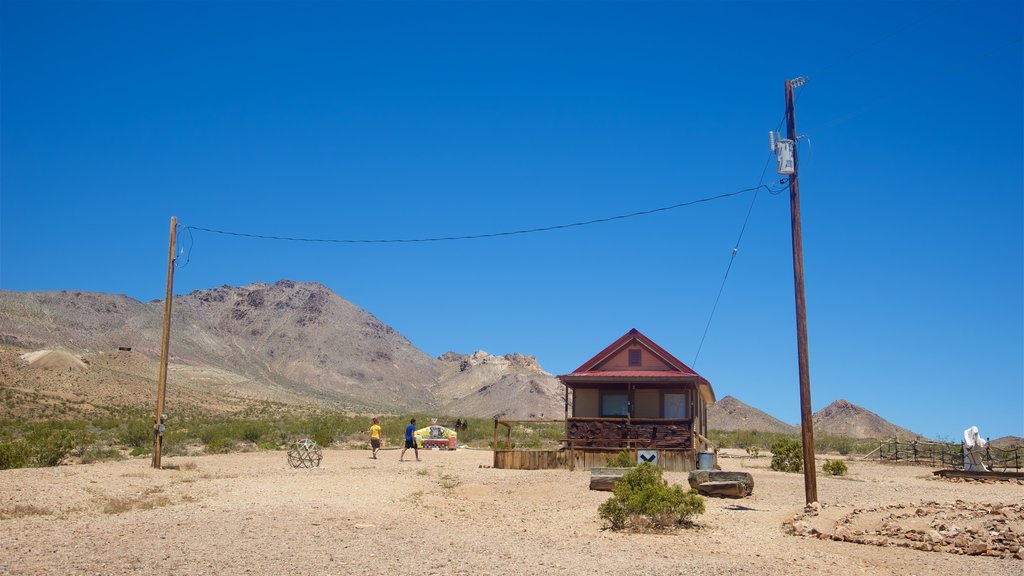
[[640, 433]]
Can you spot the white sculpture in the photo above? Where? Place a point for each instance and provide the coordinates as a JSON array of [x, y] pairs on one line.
[[974, 451]]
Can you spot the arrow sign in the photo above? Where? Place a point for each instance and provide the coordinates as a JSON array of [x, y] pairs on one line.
[[650, 456]]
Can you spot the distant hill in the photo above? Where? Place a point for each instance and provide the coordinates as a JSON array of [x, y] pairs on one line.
[[288, 342], [1007, 442], [842, 418], [512, 386], [730, 414]]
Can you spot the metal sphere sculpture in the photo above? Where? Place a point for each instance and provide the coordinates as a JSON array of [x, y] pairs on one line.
[[304, 454]]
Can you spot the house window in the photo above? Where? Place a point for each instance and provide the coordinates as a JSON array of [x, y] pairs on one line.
[[676, 405], [614, 404], [634, 357]]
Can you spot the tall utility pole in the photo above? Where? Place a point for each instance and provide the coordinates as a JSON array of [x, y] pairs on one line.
[[158, 424], [806, 423]]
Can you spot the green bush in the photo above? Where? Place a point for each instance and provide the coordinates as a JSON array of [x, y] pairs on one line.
[[49, 446], [253, 431], [136, 433], [620, 460], [13, 455], [219, 445], [834, 467], [787, 455], [642, 499]]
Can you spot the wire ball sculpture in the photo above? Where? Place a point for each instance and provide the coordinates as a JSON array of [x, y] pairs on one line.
[[304, 454]]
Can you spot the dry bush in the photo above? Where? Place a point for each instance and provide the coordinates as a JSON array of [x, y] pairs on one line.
[[118, 505], [23, 510]]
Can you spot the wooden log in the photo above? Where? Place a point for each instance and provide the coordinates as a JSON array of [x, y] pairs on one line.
[[605, 478]]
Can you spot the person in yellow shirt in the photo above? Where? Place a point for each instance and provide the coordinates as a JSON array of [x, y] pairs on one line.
[[375, 437]]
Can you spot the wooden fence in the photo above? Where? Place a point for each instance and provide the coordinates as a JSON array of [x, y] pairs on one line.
[[947, 455]]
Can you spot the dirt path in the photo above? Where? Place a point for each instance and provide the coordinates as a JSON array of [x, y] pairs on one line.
[[450, 514]]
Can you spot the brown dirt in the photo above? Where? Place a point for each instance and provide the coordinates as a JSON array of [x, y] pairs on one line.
[[249, 513]]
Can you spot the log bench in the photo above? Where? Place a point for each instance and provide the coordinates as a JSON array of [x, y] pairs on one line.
[[605, 478], [718, 483]]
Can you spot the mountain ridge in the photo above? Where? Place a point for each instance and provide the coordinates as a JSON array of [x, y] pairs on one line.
[[289, 342]]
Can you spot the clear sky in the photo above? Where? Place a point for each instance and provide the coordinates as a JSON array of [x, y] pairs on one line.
[[390, 120]]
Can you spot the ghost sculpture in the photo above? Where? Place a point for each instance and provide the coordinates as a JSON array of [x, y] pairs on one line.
[[974, 451]]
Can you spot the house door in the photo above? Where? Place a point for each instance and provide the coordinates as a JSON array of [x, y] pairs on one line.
[[676, 405]]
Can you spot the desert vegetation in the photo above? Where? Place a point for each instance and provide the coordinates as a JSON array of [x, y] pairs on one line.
[[26, 443], [755, 441], [642, 500]]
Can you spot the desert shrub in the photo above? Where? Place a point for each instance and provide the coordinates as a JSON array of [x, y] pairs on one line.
[[753, 451], [98, 454], [140, 450], [253, 431], [843, 445], [219, 445], [787, 455], [136, 433], [642, 498], [322, 435], [834, 467], [745, 439], [14, 455], [620, 460], [49, 445]]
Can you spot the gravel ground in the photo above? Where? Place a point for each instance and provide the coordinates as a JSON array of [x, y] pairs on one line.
[[451, 514]]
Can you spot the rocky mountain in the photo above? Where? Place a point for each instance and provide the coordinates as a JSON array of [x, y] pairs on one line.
[[842, 418], [289, 342], [481, 383], [731, 414]]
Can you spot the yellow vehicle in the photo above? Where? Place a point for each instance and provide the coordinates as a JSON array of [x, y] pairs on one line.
[[437, 436]]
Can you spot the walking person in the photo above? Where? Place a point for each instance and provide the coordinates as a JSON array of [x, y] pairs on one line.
[[375, 437], [410, 441]]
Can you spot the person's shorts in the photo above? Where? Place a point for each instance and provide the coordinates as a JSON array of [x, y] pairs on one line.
[[375, 442], [410, 443]]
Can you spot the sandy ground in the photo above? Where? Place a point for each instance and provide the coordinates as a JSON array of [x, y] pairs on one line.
[[250, 513]]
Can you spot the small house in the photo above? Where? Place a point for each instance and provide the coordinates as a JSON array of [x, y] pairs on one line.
[[636, 396]]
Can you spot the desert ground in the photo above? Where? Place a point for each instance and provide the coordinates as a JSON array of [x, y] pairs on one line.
[[451, 514]]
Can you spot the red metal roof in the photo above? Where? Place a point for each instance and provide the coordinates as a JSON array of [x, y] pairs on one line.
[[588, 372], [631, 374]]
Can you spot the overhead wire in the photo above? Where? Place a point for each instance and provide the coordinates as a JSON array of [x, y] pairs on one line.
[[732, 257], [484, 235]]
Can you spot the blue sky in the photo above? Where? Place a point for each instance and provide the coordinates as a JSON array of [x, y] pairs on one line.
[[389, 120]]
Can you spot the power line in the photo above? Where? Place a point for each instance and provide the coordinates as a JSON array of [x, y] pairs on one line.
[[480, 236], [732, 257]]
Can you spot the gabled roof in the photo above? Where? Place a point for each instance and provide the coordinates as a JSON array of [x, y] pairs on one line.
[[674, 364], [669, 368]]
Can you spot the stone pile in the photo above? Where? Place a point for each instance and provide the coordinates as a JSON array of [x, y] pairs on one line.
[[976, 529]]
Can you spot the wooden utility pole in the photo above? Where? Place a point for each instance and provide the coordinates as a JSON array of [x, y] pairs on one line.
[[161, 389], [806, 422]]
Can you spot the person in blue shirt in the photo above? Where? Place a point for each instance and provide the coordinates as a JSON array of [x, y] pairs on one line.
[[410, 441]]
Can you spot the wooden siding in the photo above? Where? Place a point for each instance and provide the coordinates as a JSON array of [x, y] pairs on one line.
[[586, 402], [646, 403], [531, 459], [669, 460], [620, 361], [644, 434]]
